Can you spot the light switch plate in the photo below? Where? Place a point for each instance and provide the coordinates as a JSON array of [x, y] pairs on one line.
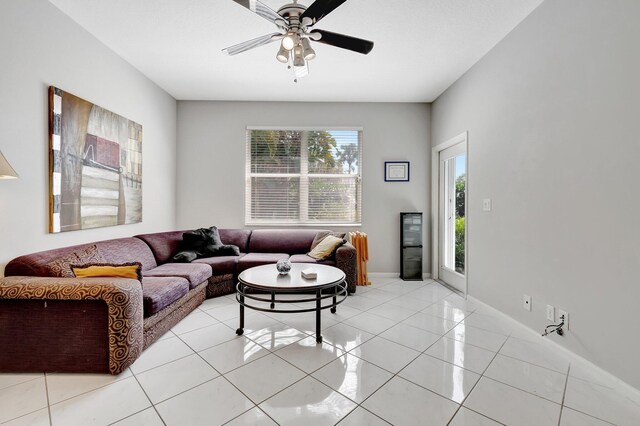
[[486, 205]]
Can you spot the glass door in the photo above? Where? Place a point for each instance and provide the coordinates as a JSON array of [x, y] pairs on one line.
[[451, 223]]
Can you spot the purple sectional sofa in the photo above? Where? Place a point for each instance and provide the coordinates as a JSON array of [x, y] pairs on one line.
[[53, 323]]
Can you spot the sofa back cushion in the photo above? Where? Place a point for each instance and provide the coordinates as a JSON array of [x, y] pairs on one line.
[[236, 237], [121, 250], [291, 241], [166, 244], [163, 244]]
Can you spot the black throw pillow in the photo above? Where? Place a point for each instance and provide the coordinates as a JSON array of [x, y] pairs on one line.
[[203, 242], [223, 250]]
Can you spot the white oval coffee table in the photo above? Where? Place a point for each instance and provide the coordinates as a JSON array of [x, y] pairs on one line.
[[266, 278]]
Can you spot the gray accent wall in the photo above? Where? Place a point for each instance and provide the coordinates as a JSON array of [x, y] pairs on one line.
[[552, 113], [40, 46], [212, 153]]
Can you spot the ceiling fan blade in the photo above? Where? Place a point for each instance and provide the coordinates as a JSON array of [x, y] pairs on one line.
[[261, 9], [320, 8], [256, 42], [344, 41]]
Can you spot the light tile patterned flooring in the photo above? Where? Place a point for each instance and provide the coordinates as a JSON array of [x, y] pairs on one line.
[[405, 353]]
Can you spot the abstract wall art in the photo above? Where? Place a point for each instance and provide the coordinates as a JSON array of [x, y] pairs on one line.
[[95, 165]]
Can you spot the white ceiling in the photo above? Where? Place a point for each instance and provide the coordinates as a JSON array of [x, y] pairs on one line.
[[421, 46]]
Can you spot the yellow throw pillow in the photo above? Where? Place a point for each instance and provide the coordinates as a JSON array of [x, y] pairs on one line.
[[326, 247], [126, 270]]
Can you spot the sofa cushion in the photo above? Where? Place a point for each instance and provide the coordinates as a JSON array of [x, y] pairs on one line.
[[303, 258], [292, 241], [163, 244], [221, 265], [62, 266], [121, 250], [256, 259], [194, 273], [236, 237], [160, 292]]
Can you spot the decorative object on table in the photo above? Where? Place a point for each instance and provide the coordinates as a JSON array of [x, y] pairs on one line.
[[283, 266], [309, 274], [95, 165], [361, 243], [6, 171], [294, 22], [396, 171], [411, 246]]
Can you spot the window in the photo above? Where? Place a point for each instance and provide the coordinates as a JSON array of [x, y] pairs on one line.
[[303, 177]]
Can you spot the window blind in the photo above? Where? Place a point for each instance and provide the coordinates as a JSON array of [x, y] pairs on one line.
[[300, 177]]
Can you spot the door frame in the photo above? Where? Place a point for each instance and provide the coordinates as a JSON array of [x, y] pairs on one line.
[[435, 206]]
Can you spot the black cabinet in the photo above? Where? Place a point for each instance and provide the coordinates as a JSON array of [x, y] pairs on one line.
[[411, 246]]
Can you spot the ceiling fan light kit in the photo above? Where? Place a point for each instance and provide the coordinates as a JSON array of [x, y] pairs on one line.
[[294, 21]]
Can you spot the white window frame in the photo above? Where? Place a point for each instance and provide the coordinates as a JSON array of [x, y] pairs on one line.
[[304, 165]]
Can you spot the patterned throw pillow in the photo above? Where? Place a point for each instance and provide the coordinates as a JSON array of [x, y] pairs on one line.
[[132, 270], [61, 267], [326, 248]]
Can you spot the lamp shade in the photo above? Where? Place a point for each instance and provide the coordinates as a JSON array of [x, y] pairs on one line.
[[6, 171], [283, 55], [298, 58], [309, 53]]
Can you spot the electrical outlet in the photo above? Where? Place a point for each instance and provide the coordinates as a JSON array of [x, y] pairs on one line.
[[551, 313], [486, 205], [526, 302], [564, 316]]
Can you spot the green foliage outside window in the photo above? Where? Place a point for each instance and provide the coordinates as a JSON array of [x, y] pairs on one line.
[[460, 222]]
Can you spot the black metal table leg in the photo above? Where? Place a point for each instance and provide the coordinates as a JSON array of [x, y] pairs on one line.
[[318, 306], [335, 299], [240, 330], [273, 299]]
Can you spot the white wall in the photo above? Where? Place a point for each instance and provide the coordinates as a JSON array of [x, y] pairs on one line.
[[40, 46], [552, 114], [211, 162]]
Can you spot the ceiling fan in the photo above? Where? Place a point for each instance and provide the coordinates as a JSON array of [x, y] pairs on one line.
[[295, 24]]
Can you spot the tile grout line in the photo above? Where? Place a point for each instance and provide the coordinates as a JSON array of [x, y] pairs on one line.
[[476, 384], [579, 411], [30, 412], [46, 389], [357, 405], [225, 378], [564, 394], [319, 368], [324, 365], [306, 375], [396, 374], [20, 383], [131, 415], [149, 398]]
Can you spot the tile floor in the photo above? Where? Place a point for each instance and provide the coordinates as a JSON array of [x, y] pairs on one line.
[[402, 353]]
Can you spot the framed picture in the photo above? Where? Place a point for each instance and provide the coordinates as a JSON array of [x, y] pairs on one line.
[[396, 171], [95, 165]]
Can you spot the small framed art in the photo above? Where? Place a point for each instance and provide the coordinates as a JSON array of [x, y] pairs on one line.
[[396, 171]]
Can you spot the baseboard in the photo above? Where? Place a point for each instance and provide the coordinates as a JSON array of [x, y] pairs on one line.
[[545, 341], [384, 274], [391, 275]]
